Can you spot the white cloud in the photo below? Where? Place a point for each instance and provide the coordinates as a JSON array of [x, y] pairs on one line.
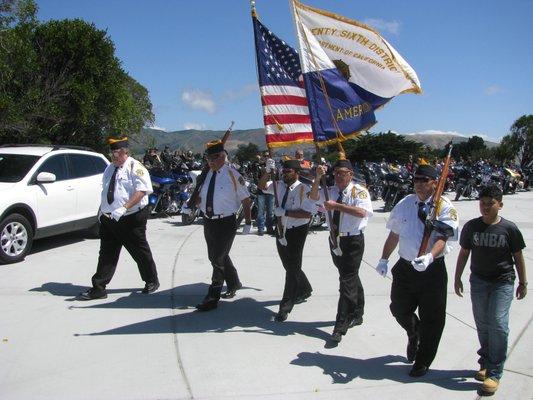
[[437, 132], [241, 93], [492, 90], [193, 125], [382, 25], [159, 128], [199, 100]]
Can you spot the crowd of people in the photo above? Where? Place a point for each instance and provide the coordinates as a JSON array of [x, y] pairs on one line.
[[419, 277]]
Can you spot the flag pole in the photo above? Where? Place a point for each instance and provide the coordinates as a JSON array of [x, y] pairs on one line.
[[273, 174]]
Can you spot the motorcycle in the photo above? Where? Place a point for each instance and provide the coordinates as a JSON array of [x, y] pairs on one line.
[[398, 185], [252, 188], [189, 218], [467, 184], [374, 177], [165, 198], [511, 179]]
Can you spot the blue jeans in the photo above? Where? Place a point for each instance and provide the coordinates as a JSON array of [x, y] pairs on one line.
[[265, 211], [491, 302]]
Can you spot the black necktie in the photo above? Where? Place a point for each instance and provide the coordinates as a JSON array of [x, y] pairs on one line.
[[285, 196], [337, 215], [111, 188], [210, 194], [422, 214]]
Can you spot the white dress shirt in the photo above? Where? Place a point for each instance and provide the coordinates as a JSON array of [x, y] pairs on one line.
[[230, 190], [404, 221], [353, 195], [131, 177], [297, 199]]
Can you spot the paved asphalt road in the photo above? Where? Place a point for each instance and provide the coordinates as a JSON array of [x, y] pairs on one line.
[[135, 346]]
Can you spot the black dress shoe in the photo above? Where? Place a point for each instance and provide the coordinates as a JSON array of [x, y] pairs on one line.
[[336, 337], [207, 306], [230, 293], [418, 370], [93, 294], [412, 348], [150, 287], [281, 316], [356, 321], [302, 298]]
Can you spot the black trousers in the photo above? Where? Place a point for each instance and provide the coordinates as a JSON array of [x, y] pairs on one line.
[[296, 283], [426, 291], [130, 232], [351, 294], [219, 235]]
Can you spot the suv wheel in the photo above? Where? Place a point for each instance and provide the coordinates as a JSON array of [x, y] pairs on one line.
[[16, 238]]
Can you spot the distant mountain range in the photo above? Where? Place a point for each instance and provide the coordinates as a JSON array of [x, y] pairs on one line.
[[195, 140]]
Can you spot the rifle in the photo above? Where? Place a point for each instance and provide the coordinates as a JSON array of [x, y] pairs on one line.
[[332, 232], [191, 203], [279, 223], [431, 220]]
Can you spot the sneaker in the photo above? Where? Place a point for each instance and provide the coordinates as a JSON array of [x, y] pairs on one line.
[[490, 385], [260, 232], [93, 294], [481, 375]]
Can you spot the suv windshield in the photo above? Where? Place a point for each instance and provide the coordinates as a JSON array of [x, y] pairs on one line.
[[14, 167]]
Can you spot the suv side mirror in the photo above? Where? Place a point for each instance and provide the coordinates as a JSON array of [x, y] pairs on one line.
[[45, 177]]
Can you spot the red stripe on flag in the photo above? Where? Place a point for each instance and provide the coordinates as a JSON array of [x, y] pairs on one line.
[[287, 119], [289, 137], [294, 100]]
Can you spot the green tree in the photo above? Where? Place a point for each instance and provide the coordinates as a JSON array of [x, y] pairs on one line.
[[374, 147], [61, 83], [17, 12], [246, 152], [517, 146], [474, 148]]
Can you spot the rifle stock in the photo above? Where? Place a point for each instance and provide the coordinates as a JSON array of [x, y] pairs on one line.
[[191, 203], [435, 200], [273, 177]]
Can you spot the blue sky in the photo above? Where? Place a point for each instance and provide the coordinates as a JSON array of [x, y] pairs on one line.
[[474, 58]]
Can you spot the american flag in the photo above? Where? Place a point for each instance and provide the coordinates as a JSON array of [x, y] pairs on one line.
[[286, 115]]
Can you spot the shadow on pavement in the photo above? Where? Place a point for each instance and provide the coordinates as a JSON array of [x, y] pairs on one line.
[[241, 315], [345, 369], [68, 289]]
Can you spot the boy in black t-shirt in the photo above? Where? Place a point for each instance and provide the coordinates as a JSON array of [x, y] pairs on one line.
[[496, 245]]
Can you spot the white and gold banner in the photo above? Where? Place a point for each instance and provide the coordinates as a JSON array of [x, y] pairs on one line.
[[363, 57]]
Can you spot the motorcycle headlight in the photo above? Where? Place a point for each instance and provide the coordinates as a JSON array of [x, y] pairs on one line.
[[155, 185]]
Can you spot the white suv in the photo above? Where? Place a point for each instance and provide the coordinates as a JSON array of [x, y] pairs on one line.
[[46, 191]]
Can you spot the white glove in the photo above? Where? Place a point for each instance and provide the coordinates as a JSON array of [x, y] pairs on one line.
[[383, 267], [186, 210], [282, 241], [279, 212], [422, 263], [270, 165], [119, 212], [246, 229]]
